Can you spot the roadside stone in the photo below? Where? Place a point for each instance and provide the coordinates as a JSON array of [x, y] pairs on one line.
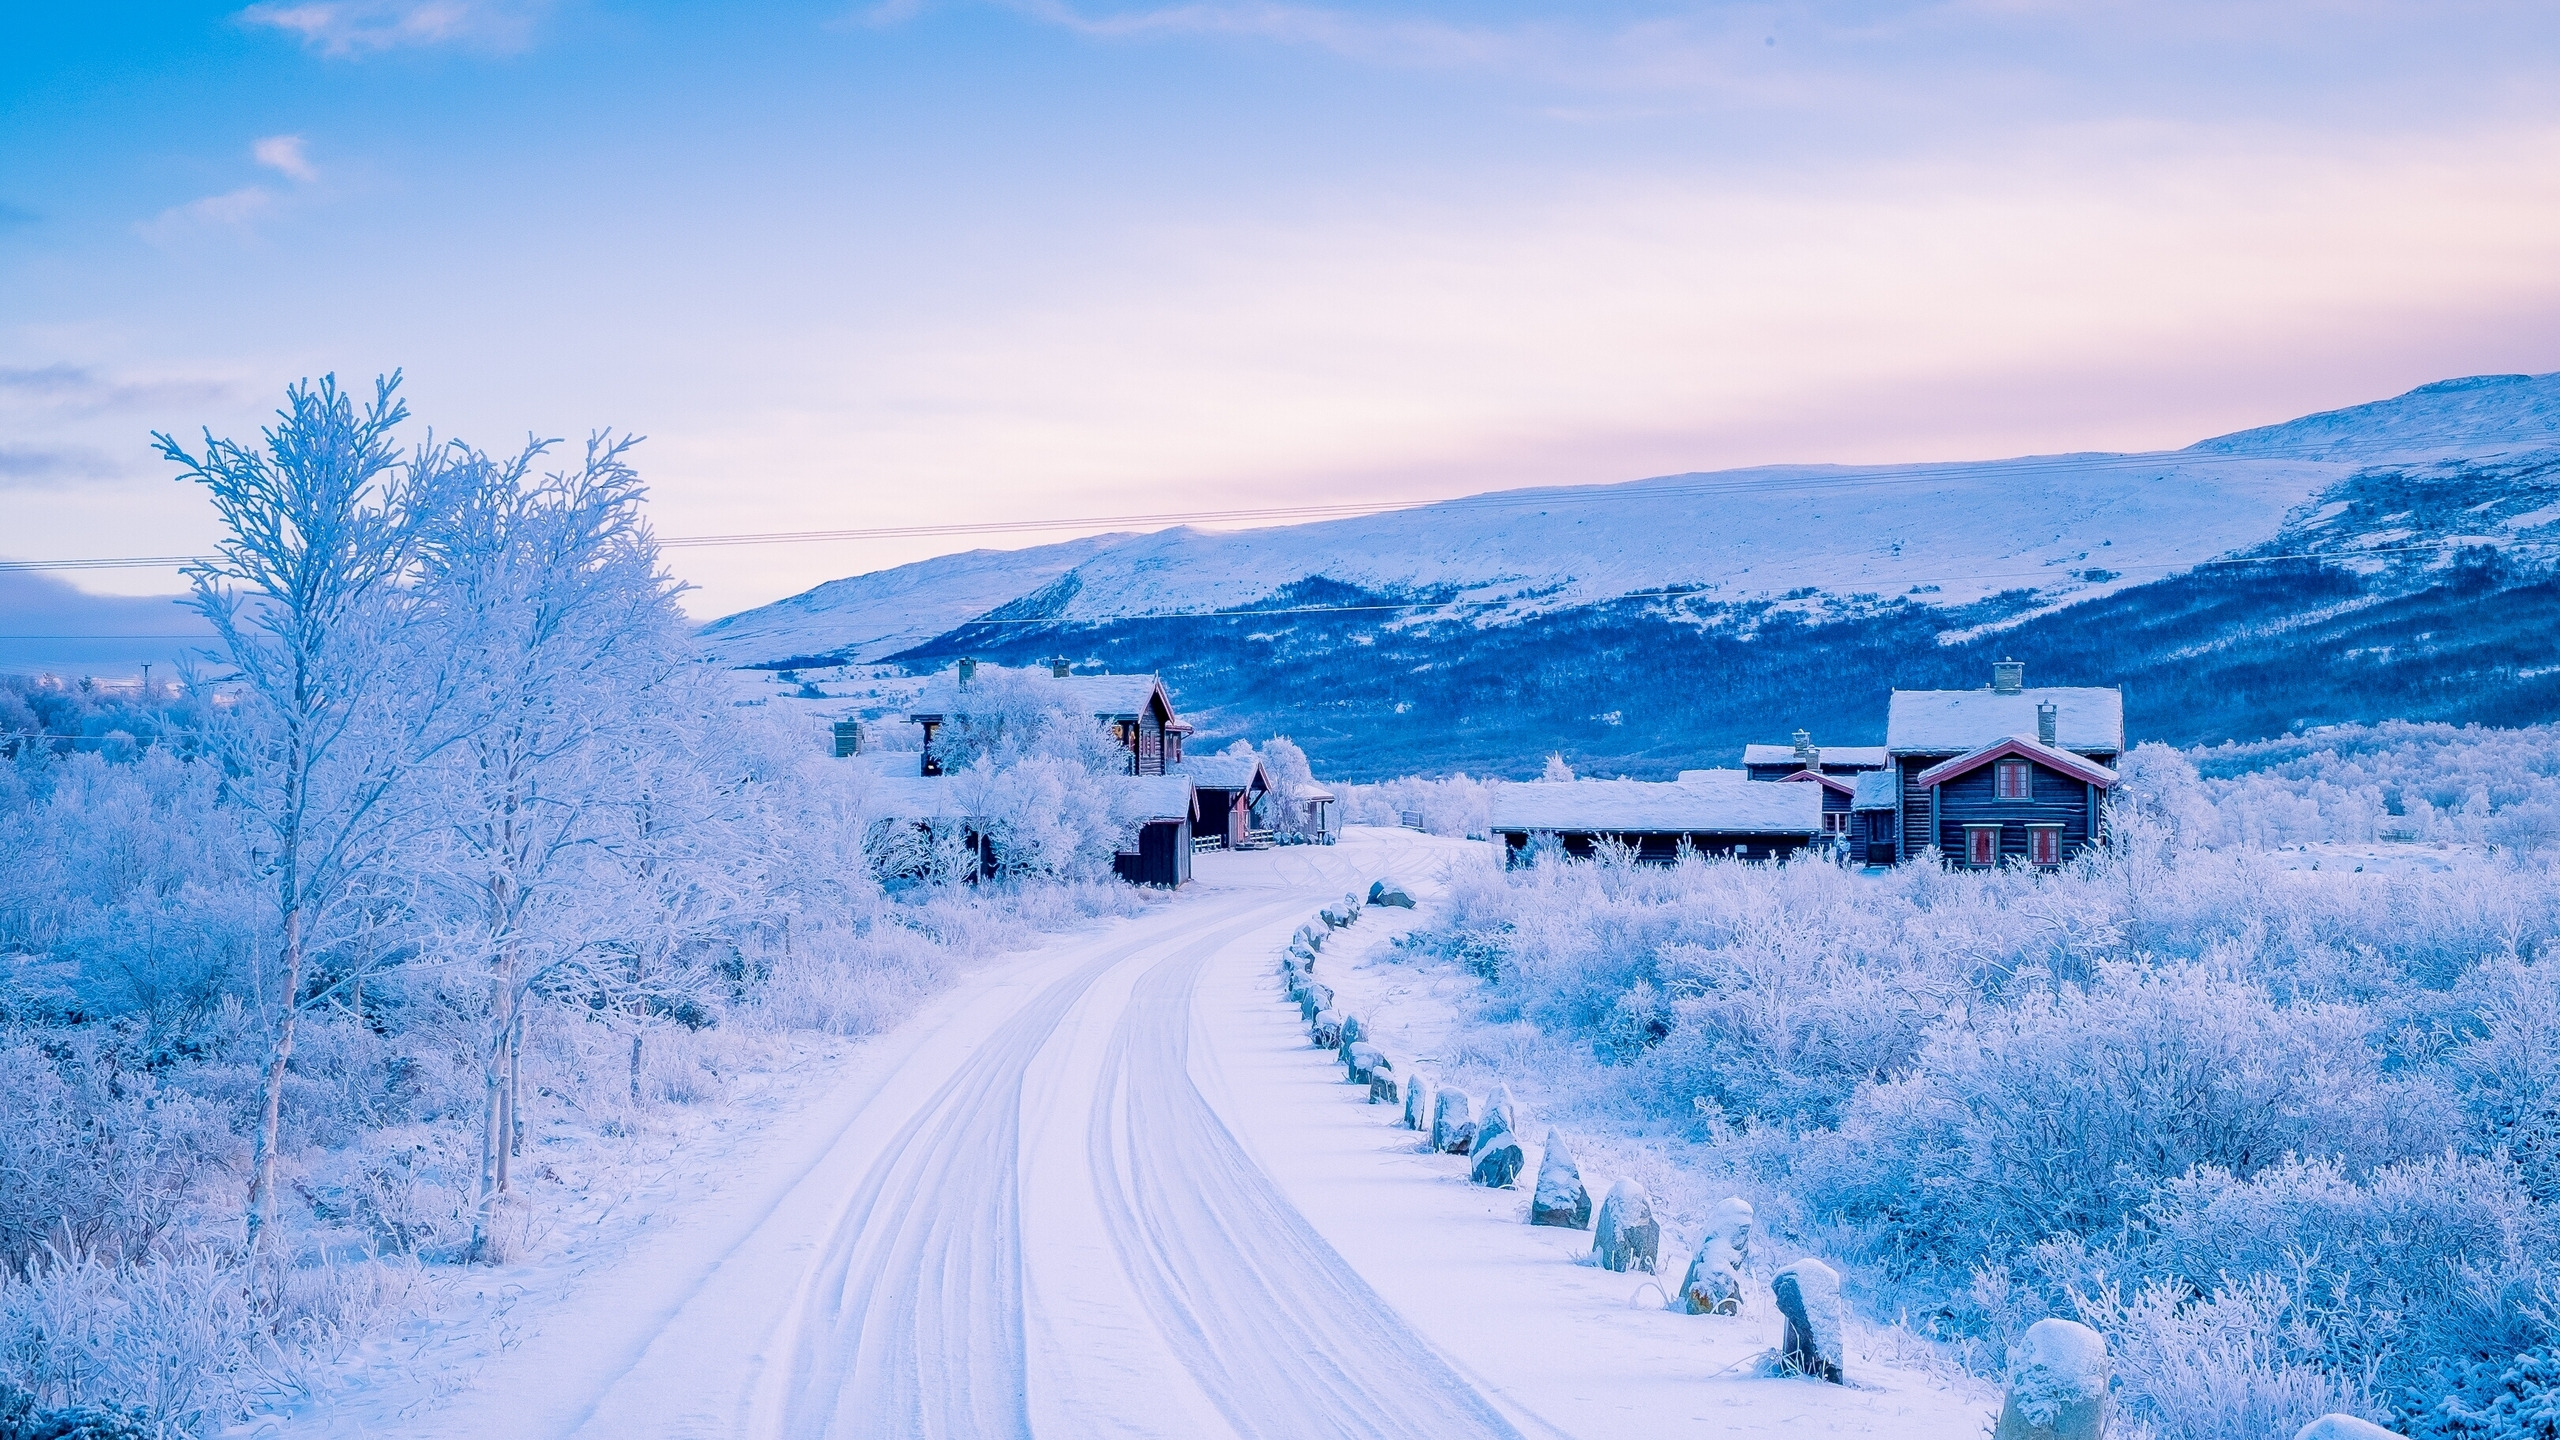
[[1808, 1294], [1713, 1285], [1626, 1236], [1453, 1122], [1360, 1060], [1561, 1198], [1385, 891], [2343, 1427], [1328, 1030], [1417, 1103], [1382, 1082], [2057, 1384], [1498, 1109], [1495, 1159]]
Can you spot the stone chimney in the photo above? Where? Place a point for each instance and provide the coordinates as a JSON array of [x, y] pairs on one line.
[[2046, 711], [2008, 677], [1808, 755], [1061, 667], [967, 669]]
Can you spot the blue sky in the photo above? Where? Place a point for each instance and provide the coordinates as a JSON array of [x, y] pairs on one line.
[[882, 264]]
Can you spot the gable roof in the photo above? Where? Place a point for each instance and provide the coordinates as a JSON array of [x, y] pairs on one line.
[[912, 797], [1860, 757], [1154, 797], [1827, 782], [1713, 777], [1110, 697], [1650, 807], [1877, 790], [1952, 722], [1224, 772], [2062, 760]]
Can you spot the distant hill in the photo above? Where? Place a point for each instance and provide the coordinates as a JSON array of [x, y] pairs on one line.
[[1650, 625]]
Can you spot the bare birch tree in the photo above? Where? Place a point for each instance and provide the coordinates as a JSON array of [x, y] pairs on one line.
[[304, 595]]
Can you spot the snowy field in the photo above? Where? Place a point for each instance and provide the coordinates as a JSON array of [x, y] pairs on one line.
[[1105, 1187]]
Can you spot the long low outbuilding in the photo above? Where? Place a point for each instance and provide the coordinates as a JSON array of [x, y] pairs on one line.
[[1654, 820]]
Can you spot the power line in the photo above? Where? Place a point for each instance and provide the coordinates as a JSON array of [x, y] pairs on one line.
[[1754, 481], [1654, 593]]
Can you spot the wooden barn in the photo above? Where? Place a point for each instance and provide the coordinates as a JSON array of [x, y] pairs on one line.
[[2005, 774], [1164, 807], [1135, 708], [1230, 788], [1654, 820]]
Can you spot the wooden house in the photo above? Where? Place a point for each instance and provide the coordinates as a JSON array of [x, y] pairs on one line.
[[1655, 820], [1164, 808], [1230, 787], [1836, 794], [2005, 774], [1135, 709]]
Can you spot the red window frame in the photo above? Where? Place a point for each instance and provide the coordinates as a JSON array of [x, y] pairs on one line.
[[2014, 779], [2044, 844], [1982, 846]]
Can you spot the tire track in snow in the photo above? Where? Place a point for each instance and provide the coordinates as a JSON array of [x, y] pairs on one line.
[[911, 1324], [1282, 1333]]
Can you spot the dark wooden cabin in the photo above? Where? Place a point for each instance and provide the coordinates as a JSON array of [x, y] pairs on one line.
[[2003, 773], [1135, 709], [1165, 807], [1655, 821], [1229, 787], [1836, 795]]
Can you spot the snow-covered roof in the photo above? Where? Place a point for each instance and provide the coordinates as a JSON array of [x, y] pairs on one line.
[[1625, 807], [1877, 790], [1224, 772], [912, 797], [1712, 777], [1155, 797], [2062, 760], [1816, 777], [1864, 757], [1951, 722], [1112, 697]]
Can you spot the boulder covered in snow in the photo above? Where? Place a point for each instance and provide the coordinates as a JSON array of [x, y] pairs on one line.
[[1808, 1294], [1453, 1122], [1498, 1110], [2344, 1427], [1495, 1157], [1417, 1103], [1316, 997], [2057, 1384], [1360, 1060], [1626, 1236], [1328, 1030], [1562, 1198], [1713, 1285], [1382, 1082], [1385, 891]]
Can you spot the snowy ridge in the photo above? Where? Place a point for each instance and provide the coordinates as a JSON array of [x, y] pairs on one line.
[[2065, 526]]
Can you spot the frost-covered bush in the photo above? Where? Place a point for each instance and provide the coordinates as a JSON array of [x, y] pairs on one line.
[[1458, 805], [2290, 1135]]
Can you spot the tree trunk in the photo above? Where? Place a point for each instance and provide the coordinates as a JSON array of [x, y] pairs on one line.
[[262, 1165]]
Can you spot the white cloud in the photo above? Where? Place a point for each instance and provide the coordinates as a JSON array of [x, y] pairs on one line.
[[285, 154], [348, 28], [232, 210]]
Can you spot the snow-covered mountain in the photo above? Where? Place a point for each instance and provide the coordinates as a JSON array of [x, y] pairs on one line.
[[2069, 527], [1657, 625]]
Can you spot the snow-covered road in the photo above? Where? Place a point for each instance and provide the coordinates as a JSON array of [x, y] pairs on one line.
[[1105, 1189]]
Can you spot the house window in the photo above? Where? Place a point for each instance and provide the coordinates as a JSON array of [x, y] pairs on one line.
[[1982, 845], [1835, 822], [2044, 844], [2016, 780]]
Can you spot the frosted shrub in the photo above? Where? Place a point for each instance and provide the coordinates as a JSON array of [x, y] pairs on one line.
[[2218, 1367]]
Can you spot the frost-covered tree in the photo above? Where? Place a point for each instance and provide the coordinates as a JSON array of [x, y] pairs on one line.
[[555, 625], [305, 596], [1556, 768]]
